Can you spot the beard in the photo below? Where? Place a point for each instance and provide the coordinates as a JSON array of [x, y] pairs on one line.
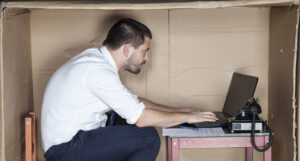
[[133, 71], [134, 67]]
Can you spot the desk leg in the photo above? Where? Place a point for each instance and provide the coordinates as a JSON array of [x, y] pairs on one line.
[[173, 149], [268, 153], [249, 154], [169, 149]]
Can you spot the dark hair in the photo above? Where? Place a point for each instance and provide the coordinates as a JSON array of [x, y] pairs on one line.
[[127, 31]]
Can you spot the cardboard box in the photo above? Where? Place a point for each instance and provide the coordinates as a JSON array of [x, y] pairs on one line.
[[195, 49]]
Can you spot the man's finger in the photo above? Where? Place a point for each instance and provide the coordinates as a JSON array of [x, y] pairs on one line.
[[208, 120], [209, 116], [209, 113]]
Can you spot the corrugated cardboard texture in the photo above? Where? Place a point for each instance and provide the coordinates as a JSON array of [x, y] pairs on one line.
[[17, 82], [193, 56], [138, 4], [282, 43]]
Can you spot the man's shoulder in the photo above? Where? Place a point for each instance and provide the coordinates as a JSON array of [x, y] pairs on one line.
[[90, 62], [90, 52], [89, 57]]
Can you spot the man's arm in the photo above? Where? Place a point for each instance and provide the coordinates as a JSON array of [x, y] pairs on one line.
[[156, 106], [164, 116], [156, 118]]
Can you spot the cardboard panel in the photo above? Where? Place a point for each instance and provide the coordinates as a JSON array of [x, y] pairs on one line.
[[206, 47], [17, 82], [282, 43]]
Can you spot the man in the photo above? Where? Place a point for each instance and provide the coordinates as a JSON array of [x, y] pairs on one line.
[[86, 87]]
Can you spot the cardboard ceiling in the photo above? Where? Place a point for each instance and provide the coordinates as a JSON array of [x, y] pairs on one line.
[[136, 4]]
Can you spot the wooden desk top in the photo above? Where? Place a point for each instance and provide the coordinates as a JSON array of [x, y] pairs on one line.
[[204, 132]]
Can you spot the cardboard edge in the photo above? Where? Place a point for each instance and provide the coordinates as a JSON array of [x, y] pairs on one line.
[[296, 98], [295, 122], [283, 22], [10, 12], [2, 140], [171, 5]]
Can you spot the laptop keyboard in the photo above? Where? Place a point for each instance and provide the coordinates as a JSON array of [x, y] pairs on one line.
[[223, 120]]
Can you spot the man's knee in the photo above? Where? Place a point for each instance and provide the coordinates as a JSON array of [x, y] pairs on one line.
[[153, 137]]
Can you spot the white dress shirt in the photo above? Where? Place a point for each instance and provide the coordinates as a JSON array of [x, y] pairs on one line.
[[80, 93]]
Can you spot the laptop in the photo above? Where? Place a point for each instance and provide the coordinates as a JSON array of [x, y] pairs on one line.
[[241, 88]]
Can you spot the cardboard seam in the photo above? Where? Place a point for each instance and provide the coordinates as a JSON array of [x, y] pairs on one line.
[[169, 52], [295, 88]]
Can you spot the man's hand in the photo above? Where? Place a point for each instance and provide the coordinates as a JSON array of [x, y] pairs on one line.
[[198, 116]]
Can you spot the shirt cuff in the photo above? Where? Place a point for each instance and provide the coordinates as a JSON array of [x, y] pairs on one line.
[[136, 114]]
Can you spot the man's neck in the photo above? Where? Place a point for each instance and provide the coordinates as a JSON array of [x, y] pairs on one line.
[[116, 55]]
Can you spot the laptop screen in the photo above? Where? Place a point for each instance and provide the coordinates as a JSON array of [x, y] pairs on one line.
[[241, 88]]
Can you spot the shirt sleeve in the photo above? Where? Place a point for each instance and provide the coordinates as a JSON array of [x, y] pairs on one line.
[[106, 85]]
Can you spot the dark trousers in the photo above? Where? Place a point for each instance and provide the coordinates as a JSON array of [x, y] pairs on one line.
[[112, 143]]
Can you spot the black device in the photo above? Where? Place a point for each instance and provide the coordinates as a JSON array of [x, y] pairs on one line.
[[240, 89], [248, 121], [243, 121]]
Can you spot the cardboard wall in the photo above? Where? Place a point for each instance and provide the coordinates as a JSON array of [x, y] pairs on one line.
[[206, 47], [282, 45], [193, 56], [216, 44], [17, 81]]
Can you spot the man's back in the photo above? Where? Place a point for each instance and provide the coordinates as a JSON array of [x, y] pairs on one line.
[[68, 105]]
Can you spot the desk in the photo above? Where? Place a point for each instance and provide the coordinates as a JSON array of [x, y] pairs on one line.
[[183, 138]]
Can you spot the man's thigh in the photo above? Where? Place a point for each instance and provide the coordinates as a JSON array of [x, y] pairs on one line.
[[113, 143]]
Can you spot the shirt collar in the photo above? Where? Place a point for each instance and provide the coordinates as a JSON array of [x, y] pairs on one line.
[[107, 55]]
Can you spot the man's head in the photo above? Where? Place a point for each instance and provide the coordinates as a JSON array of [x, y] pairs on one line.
[[133, 39]]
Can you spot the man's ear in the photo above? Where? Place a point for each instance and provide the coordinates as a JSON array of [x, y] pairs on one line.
[[127, 50]]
